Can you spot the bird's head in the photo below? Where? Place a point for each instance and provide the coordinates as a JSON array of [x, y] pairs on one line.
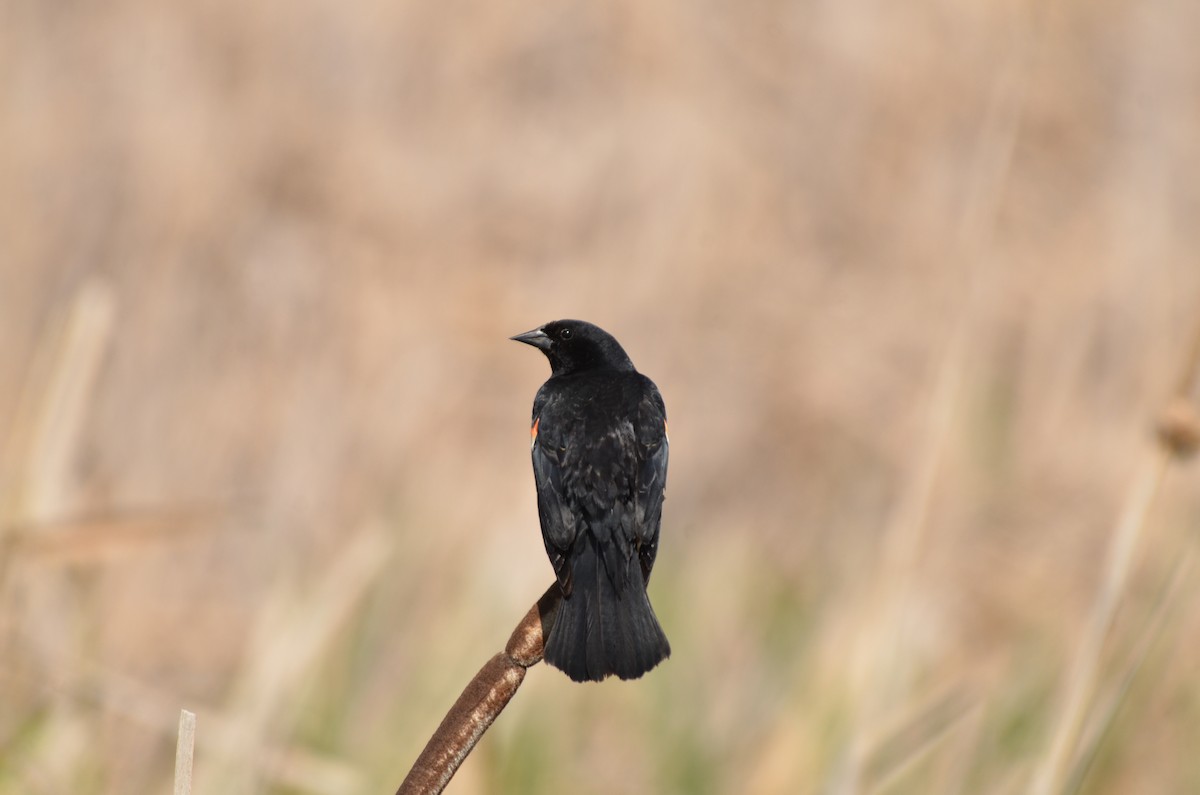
[[574, 346]]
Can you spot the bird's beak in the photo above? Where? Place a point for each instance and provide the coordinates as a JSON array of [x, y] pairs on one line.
[[537, 338]]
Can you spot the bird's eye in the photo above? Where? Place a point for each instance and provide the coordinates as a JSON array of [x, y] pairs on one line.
[[565, 334]]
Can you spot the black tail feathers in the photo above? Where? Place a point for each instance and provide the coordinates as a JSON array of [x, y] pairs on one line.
[[605, 627]]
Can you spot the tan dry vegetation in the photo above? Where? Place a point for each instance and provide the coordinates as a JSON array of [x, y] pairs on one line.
[[914, 279]]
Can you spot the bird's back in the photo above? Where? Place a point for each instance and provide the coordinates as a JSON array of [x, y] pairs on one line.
[[603, 426]]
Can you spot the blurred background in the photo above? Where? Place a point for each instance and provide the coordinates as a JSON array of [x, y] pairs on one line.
[[915, 280]]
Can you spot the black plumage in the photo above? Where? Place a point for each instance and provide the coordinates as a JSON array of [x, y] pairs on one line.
[[599, 446]]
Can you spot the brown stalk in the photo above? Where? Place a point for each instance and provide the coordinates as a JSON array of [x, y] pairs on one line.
[[484, 697]]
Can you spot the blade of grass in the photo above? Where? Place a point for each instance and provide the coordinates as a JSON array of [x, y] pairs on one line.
[[1106, 711], [883, 627], [41, 484], [184, 750], [294, 630], [922, 731], [1081, 680]]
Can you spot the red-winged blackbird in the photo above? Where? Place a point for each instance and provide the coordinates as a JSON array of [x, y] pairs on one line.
[[599, 440]]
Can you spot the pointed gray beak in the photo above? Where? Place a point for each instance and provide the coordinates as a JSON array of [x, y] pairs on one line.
[[537, 338]]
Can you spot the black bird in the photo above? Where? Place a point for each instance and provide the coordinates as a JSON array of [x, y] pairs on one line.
[[599, 441]]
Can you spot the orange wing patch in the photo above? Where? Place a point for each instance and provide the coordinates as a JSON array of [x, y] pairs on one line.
[[533, 432], [666, 435]]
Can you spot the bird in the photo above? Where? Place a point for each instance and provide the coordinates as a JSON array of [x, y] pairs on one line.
[[599, 445]]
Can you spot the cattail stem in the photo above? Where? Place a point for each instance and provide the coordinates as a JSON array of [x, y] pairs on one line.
[[484, 697]]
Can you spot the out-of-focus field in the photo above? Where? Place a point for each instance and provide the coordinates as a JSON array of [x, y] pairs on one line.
[[914, 278]]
